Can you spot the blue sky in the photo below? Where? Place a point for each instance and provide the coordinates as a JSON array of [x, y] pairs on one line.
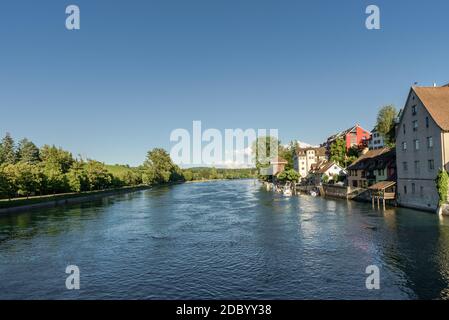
[[139, 69]]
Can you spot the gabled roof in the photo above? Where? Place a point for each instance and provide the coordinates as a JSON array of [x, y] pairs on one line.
[[319, 151], [436, 101], [374, 159], [345, 132], [327, 166]]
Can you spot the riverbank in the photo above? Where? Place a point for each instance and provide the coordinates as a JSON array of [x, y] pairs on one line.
[[23, 204]]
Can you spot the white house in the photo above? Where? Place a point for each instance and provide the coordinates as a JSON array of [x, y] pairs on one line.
[[377, 140]]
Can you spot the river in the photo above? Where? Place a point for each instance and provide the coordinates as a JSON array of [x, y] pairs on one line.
[[223, 240]]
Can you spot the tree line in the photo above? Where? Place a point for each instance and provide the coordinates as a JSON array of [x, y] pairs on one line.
[[26, 170]]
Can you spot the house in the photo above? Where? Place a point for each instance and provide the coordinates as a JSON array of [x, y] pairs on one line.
[[277, 165], [305, 158], [422, 143], [355, 136], [371, 167], [376, 141], [329, 169]]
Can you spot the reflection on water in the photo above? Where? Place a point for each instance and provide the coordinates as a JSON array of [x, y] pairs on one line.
[[223, 240]]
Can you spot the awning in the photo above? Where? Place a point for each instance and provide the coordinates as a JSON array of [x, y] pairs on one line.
[[382, 185]]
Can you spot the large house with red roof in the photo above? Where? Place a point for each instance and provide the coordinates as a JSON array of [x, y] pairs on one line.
[[354, 136]]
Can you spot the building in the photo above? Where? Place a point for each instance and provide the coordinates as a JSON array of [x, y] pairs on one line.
[[355, 136], [372, 167], [304, 158], [329, 169], [422, 143], [376, 141], [277, 165]]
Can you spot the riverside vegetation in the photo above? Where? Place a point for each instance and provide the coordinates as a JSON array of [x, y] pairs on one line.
[[26, 170]]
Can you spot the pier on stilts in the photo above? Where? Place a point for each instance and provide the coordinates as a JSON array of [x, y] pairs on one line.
[[382, 192]]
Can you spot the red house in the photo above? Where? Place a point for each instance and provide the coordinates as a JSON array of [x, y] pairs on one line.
[[355, 136]]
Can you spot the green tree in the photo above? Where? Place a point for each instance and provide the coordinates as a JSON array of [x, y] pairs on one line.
[[159, 166], [77, 177], [56, 158], [188, 175], [287, 153], [442, 182], [7, 150], [55, 179], [25, 179], [264, 149], [27, 152], [8, 180], [289, 175], [338, 152], [386, 122], [98, 176]]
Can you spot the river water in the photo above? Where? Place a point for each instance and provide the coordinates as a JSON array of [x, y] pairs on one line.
[[223, 240]]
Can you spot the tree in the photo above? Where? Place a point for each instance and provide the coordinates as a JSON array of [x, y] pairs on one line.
[[7, 150], [8, 180], [338, 152], [25, 179], [77, 177], [55, 179], [159, 167], [264, 149], [27, 152], [98, 176], [386, 122], [289, 175], [442, 182], [188, 175], [56, 158], [287, 154]]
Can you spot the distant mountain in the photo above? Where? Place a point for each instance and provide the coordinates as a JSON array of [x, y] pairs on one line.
[[303, 145]]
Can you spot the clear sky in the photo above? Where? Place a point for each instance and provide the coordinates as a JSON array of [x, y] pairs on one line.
[[139, 69]]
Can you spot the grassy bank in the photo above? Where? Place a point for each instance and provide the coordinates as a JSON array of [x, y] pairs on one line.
[[21, 202]]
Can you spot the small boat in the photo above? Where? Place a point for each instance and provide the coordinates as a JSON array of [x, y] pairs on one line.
[[287, 190]]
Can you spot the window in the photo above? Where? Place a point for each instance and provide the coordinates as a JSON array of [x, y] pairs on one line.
[[421, 191], [416, 143], [405, 166], [413, 188], [415, 125], [405, 189], [403, 128], [414, 110], [417, 167], [431, 164], [354, 183], [429, 142], [427, 122], [404, 146]]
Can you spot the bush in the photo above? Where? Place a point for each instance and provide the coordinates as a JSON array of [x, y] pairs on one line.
[[442, 183]]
